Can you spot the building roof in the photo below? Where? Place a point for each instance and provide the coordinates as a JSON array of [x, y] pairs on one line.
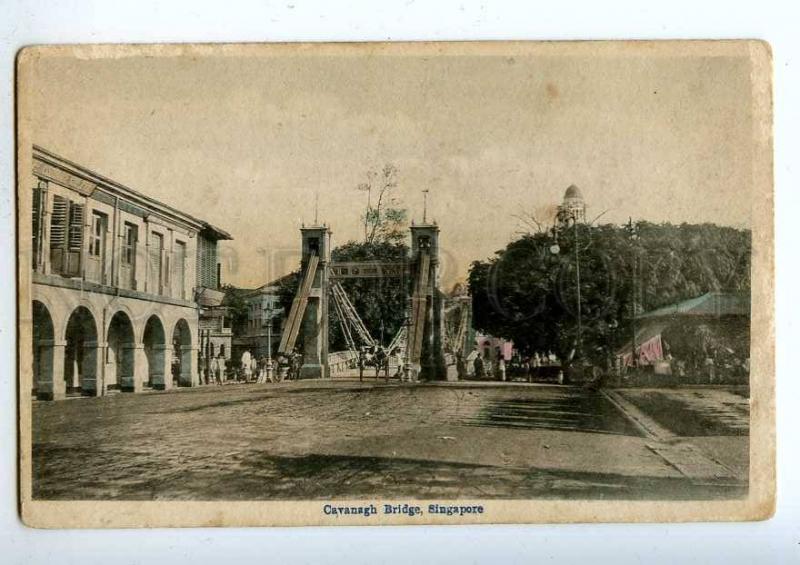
[[213, 232], [573, 192], [114, 187], [710, 304], [244, 293]]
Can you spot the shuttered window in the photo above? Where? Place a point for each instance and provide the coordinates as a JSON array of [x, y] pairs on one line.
[[75, 238], [58, 222], [39, 195], [66, 236], [58, 234]]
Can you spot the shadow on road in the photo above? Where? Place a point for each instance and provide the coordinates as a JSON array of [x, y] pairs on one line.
[[257, 475], [579, 411]]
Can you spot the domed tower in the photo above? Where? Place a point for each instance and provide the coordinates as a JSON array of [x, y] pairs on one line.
[[573, 207]]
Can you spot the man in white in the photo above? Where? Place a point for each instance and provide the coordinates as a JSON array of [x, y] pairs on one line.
[[246, 357]]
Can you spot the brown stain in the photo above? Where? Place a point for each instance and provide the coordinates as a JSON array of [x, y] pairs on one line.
[[552, 91]]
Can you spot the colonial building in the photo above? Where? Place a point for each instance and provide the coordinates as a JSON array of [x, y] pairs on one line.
[[259, 332], [572, 208], [114, 282], [216, 332]]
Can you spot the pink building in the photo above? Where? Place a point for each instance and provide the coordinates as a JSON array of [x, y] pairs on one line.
[[488, 346]]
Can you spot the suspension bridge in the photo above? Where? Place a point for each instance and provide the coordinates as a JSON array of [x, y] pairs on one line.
[[419, 344]]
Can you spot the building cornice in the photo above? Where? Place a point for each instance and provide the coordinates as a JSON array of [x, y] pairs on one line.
[[90, 180]]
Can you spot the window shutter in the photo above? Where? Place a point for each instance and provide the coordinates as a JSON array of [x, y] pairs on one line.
[[74, 239], [75, 236], [58, 234], [58, 222], [37, 226]]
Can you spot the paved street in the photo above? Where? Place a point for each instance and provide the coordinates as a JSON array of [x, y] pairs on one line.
[[317, 439]]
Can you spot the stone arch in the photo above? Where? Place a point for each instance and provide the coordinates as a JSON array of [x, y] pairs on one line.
[[155, 350], [182, 353], [81, 352], [136, 321], [43, 348], [121, 357]]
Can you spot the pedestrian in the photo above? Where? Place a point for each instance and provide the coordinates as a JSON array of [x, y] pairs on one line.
[[380, 359], [213, 366], [246, 357], [223, 369], [501, 368], [709, 366], [362, 360], [296, 361], [461, 366], [478, 363], [398, 360], [253, 369]]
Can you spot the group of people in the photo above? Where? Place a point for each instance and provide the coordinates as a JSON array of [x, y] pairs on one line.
[[263, 369], [216, 369], [378, 358], [484, 366]]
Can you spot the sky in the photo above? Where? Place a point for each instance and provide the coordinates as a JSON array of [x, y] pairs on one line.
[[248, 141]]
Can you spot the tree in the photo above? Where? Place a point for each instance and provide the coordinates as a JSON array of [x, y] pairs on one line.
[[529, 295], [237, 307], [379, 302], [384, 220]]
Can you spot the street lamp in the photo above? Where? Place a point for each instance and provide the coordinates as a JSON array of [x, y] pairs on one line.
[[268, 368], [633, 236], [406, 368], [555, 249]]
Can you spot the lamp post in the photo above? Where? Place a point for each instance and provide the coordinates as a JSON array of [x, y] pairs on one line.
[[612, 340], [555, 249], [268, 367], [407, 352], [633, 235]]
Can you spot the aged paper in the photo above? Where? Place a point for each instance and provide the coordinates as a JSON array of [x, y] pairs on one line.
[[395, 283]]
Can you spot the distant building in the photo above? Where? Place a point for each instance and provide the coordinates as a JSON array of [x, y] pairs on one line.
[[572, 208], [216, 334], [113, 284], [711, 331], [215, 324], [254, 332], [492, 348]]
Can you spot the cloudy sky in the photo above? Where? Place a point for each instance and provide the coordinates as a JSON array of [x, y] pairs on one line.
[[246, 140]]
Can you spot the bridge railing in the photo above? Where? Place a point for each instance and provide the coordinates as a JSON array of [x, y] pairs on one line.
[[340, 361]]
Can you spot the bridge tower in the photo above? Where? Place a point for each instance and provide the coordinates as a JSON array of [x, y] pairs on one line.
[[426, 331], [316, 243], [309, 312]]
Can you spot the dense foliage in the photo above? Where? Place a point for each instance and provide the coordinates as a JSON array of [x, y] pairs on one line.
[[380, 302], [528, 294], [237, 307]]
